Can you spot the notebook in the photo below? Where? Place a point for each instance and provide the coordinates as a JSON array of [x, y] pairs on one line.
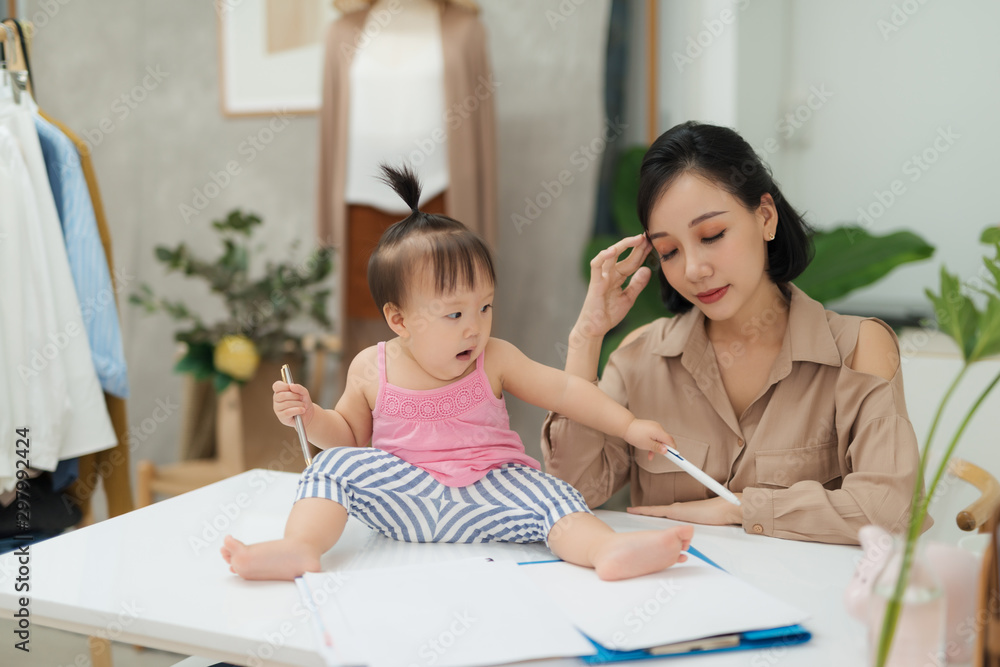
[[476, 612], [464, 613], [687, 602]]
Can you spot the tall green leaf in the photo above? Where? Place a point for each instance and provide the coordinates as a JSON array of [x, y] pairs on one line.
[[848, 258], [991, 235], [956, 314], [988, 340]]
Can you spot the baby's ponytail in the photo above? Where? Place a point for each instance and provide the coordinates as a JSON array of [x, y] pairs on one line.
[[454, 255], [403, 182]]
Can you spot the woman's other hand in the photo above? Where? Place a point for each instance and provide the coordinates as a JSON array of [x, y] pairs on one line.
[[607, 303], [712, 512]]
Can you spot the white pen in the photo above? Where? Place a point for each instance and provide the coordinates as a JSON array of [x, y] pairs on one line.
[[700, 475], [300, 428]]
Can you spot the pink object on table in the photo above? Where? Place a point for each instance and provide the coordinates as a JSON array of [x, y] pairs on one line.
[[956, 571]]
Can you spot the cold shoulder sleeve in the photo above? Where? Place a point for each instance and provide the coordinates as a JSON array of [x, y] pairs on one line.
[[876, 459]]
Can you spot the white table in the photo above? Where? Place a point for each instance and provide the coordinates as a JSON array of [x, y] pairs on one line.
[[154, 577]]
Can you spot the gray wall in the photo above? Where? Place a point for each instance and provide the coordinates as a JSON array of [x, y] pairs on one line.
[[89, 53]]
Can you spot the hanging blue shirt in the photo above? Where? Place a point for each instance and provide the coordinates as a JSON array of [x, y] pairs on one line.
[[87, 261]]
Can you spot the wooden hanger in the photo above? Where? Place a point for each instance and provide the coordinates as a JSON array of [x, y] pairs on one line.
[[14, 50], [15, 61]]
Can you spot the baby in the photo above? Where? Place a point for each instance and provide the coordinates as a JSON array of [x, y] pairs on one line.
[[444, 465]]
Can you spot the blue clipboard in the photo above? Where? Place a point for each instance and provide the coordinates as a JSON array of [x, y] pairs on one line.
[[757, 639]]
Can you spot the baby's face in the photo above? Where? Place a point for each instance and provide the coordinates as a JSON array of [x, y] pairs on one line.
[[448, 332]]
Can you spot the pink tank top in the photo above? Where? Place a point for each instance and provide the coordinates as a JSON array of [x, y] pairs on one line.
[[457, 433]]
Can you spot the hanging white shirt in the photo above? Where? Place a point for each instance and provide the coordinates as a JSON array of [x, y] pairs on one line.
[[48, 383], [397, 104]]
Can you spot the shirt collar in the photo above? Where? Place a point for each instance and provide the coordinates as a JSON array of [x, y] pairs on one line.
[[808, 337]]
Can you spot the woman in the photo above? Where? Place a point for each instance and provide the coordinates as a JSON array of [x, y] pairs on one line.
[[796, 409]]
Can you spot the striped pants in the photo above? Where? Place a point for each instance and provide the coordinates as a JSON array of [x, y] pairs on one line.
[[514, 503]]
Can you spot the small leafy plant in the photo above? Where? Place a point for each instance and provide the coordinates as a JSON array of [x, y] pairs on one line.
[[258, 310], [977, 333]]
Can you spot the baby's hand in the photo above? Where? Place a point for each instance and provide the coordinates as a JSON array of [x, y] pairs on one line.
[[291, 400], [648, 435]]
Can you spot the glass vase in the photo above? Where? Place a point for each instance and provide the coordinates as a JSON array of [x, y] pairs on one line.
[[919, 637]]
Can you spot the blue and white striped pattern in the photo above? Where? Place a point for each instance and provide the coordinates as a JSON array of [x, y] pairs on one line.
[[87, 262], [513, 503]]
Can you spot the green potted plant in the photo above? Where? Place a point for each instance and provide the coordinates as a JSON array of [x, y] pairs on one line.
[[245, 346], [258, 311]]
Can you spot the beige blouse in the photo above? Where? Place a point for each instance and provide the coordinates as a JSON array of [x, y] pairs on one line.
[[822, 451]]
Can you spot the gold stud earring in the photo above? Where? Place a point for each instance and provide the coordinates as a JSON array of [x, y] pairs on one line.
[[772, 237]]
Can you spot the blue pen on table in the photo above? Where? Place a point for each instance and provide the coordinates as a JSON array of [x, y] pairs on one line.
[[700, 475], [286, 375]]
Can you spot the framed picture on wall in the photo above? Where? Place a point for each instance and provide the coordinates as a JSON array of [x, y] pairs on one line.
[[271, 55]]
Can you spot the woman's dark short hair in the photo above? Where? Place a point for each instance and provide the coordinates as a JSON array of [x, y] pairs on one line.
[[456, 255], [723, 157]]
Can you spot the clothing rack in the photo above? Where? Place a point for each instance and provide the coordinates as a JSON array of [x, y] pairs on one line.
[[111, 466], [15, 37]]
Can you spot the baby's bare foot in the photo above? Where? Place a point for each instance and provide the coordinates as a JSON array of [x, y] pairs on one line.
[[276, 560], [644, 552], [227, 552]]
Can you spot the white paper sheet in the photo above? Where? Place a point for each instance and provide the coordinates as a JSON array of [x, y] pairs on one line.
[[325, 614], [457, 613], [690, 600]]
